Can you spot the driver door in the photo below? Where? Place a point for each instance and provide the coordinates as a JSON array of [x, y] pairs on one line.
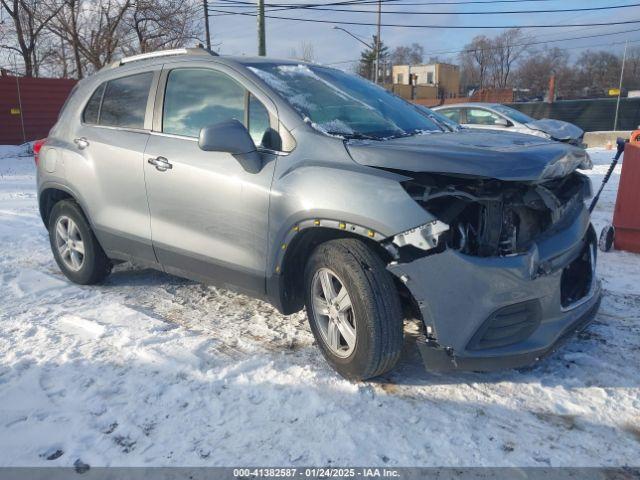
[[485, 119], [208, 215]]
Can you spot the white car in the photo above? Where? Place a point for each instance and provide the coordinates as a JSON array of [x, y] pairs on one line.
[[494, 116]]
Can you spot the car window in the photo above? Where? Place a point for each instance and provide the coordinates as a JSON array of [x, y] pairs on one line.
[[452, 114], [125, 101], [92, 110], [513, 114], [259, 123], [479, 116], [197, 97]]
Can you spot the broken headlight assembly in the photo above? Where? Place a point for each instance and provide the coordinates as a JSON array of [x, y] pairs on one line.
[[485, 217], [539, 133], [424, 237]]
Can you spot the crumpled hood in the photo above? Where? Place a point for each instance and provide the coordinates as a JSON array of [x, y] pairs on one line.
[[558, 129], [503, 156]]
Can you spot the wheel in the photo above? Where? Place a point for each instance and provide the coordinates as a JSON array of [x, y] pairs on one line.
[[607, 236], [353, 309], [74, 246]]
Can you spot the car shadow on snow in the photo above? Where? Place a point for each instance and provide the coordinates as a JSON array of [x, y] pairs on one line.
[[602, 355]]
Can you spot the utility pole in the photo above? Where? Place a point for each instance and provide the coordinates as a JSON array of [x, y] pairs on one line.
[[206, 23], [624, 59], [375, 75], [262, 43]]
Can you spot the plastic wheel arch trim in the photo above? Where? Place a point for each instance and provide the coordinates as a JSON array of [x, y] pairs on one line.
[[310, 223]]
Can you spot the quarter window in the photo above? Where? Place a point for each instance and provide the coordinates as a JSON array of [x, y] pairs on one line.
[[195, 98], [259, 124], [125, 101], [92, 110]]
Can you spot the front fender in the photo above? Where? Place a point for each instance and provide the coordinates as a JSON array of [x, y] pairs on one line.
[[362, 200]]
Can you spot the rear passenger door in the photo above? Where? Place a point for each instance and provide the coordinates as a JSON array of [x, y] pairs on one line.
[[209, 217], [112, 137]]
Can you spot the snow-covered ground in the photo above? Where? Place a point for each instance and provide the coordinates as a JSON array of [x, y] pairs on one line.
[[150, 369]]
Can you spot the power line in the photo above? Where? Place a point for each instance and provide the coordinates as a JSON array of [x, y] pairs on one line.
[[534, 43], [563, 48], [400, 12], [456, 27], [360, 2]]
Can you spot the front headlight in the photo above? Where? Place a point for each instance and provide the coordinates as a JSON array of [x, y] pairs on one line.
[[539, 133]]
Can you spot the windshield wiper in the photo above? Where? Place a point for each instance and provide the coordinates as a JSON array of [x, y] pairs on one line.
[[411, 133], [353, 136]]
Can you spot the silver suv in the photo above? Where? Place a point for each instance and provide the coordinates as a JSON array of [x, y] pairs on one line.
[[310, 187]]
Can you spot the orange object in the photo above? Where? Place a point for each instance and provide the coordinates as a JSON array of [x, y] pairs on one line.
[[609, 145], [626, 216], [635, 136]]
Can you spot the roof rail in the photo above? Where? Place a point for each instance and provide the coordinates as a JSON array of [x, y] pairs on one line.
[[163, 53]]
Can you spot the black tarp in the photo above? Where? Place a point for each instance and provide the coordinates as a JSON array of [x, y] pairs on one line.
[[590, 115]]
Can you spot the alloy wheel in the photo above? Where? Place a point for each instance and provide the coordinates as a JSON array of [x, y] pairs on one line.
[[69, 243], [333, 312]]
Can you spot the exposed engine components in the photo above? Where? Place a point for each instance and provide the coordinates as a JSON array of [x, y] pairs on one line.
[[485, 217]]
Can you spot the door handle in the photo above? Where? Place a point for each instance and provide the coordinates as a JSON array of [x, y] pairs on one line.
[[81, 142], [161, 163]]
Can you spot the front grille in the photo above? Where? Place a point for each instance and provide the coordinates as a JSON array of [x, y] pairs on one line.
[[508, 325]]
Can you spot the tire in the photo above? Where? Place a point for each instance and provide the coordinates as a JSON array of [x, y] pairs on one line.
[[86, 268], [607, 236], [374, 317]]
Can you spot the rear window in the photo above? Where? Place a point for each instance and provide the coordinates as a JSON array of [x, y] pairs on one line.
[[120, 103]]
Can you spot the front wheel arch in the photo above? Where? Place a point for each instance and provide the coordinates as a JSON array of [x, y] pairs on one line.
[[289, 269]]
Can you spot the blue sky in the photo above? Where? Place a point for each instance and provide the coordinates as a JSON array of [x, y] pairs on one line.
[[236, 34]]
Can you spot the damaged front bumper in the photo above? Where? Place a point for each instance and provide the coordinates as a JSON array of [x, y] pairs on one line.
[[488, 313]]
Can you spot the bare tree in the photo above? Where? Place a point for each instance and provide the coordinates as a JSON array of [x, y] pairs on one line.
[[95, 31], [536, 69], [161, 24], [304, 52], [476, 60], [598, 71], [506, 49], [28, 24], [407, 55]]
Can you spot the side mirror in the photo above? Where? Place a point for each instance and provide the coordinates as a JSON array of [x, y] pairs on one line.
[[231, 137], [502, 122]]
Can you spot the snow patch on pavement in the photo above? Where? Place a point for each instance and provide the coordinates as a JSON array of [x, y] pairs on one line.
[[150, 369]]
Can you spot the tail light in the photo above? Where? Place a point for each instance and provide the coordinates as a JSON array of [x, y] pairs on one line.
[[37, 146]]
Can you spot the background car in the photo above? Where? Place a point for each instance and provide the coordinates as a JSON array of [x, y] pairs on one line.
[[447, 124], [494, 116]]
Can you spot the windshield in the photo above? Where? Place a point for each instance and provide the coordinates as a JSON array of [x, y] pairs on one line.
[[513, 114], [343, 105]]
